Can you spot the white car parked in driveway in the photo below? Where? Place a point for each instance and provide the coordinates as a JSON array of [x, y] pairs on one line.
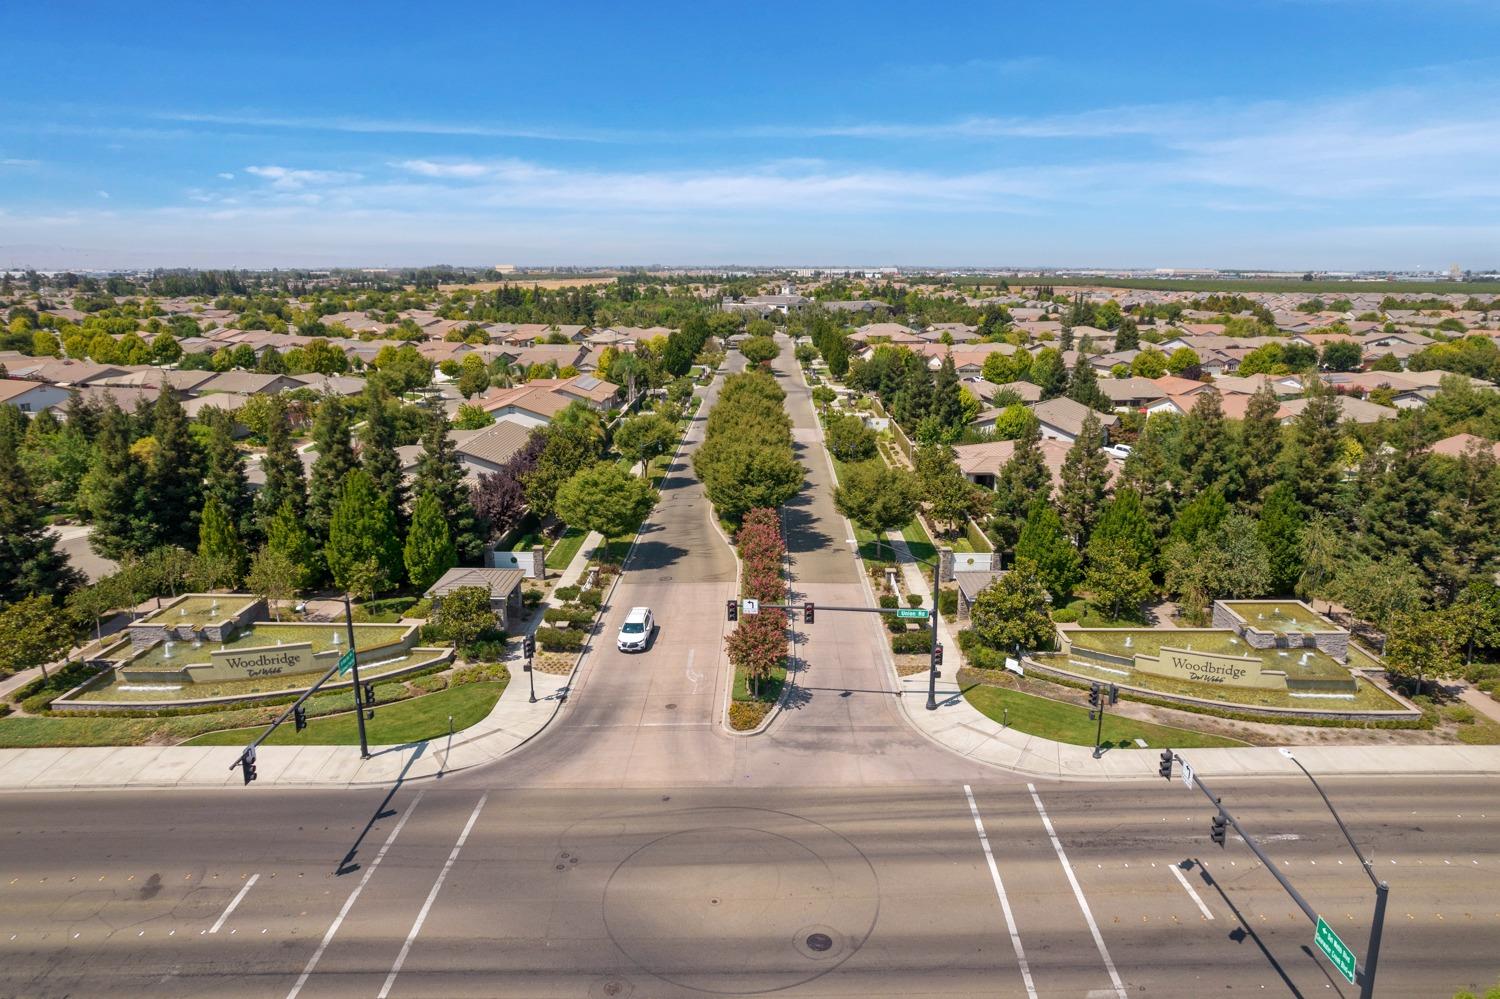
[[1121, 451], [635, 633]]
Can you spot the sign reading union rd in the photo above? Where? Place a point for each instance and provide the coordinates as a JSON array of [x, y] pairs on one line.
[[1202, 667], [251, 664]]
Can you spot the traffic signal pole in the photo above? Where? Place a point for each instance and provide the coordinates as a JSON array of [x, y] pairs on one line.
[[359, 709], [932, 653]]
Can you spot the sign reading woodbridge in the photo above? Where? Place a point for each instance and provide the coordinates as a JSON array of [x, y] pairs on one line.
[[1202, 667], [251, 664]]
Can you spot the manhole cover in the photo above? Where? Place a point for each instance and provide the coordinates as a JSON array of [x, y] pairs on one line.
[[819, 942], [671, 707], [663, 579]]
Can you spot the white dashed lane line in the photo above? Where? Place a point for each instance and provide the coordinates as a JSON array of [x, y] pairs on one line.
[[234, 903]]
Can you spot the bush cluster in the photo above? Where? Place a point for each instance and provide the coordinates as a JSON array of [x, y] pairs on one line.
[[889, 601], [559, 639], [574, 615], [566, 593], [911, 643], [481, 673], [762, 551]]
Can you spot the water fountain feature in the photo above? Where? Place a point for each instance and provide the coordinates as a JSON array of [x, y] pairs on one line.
[[166, 650]]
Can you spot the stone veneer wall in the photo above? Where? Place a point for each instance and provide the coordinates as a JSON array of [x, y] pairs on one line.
[[1331, 643], [222, 630]]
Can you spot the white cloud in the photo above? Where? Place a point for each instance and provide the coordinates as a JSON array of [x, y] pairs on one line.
[[226, 176], [288, 179], [103, 194], [11, 161]]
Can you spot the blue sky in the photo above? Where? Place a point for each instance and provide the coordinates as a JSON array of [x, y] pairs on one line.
[[1233, 133]]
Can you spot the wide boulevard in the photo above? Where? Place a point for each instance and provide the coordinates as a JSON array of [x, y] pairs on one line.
[[637, 848]]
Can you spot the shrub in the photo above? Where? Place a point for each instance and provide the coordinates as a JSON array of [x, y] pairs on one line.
[[592, 598], [431, 684], [421, 609], [948, 603], [914, 600], [911, 643], [1065, 615], [480, 673], [889, 601], [581, 616], [531, 596], [894, 624], [566, 593], [745, 715], [486, 648], [559, 639]]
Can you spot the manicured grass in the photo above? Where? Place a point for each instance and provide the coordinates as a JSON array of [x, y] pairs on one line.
[[770, 687], [566, 547], [1068, 723], [405, 721], [918, 542], [269, 686]]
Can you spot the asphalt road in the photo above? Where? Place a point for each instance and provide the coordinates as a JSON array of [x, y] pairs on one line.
[[637, 848]]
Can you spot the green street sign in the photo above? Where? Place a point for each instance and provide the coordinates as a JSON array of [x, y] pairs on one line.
[[916, 612], [1339, 953], [346, 662]]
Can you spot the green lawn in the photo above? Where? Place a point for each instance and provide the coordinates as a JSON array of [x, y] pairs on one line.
[[917, 540], [1068, 723], [566, 547], [413, 720], [770, 688]]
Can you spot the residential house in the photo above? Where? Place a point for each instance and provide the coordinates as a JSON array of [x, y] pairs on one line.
[[1063, 419], [981, 463], [1350, 408], [31, 397], [249, 383], [1128, 394], [1456, 446]]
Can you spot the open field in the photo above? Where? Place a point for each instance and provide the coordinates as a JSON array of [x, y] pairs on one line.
[[1232, 285], [547, 283]]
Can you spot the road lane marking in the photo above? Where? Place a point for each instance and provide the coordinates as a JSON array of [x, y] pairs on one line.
[[1062, 858], [1010, 922], [312, 962], [234, 902], [1201, 907], [693, 675], [416, 927]]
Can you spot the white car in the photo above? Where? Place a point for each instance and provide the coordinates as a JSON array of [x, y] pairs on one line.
[[635, 633], [1121, 451]]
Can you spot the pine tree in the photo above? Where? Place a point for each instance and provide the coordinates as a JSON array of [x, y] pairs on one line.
[[287, 537], [30, 563], [1042, 542], [439, 474], [913, 400], [1083, 386], [1465, 519], [1148, 472], [1204, 447], [224, 470], [1123, 527], [1398, 497], [947, 400], [221, 555], [281, 467], [116, 490], [1315, 469], [1260, 447], [174, 475], [363, 552], [1128, 336], [335, 460], [1048, 373], [1280, 533], [377, 455], [1023, 480], [1084, 482], [429, 546]]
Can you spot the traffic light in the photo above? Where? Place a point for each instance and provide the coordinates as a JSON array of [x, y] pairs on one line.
[[1093, 696], [807, 612], [247, 765], [937, 655], [299, 717], [732, 608], [528, 646], [369, 694], [1165, 766], [1217, 832], [1114, 694]]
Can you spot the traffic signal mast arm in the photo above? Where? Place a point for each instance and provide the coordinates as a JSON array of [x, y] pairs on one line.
[[290, 710]]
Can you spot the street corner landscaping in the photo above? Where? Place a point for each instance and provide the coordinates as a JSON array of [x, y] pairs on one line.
[[758, 646]]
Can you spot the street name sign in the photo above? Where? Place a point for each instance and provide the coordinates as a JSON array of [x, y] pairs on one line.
[[346, 662], [916, 612], [1338, 952], [1187, 776]]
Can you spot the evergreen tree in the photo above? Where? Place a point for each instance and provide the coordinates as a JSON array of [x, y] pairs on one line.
[[429, 546], [116, 490], [224, 470], [174, 475], [1123, 527], [330, 433], [1083, 386], [1204, 448], [1043, 543], [1280, 533], [440, 475], [281, 467], [1048, 373], [291, 545], [363, 552], [1023, 480], [377, 454], [913, 400], [947, 398], [30, 563], [1011, 612], [1260, 447], [1464, 518], [1314, 466], [1200, 517], [221, 555], [1128, 336], [1398, 497], [1148, 473], [1084, 482]]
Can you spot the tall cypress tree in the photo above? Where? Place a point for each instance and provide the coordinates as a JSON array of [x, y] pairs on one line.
[[174, 475], [1023, 479], [1204, 448], [224, 470], [30, 563], [1315, 469], [221, 555], [429, 548], [1148, 472], [1260, 447], [1044, 543], [1123, 528], [1085, 482], [330, 434], [947, 402], [282, 467], [1083, 386], [363, 551], [116, 488], [1280, 532], [377, 454], [439, 474]]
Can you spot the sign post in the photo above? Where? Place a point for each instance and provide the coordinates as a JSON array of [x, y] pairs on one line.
[[346, 662], [1338, 952], [917, 613]]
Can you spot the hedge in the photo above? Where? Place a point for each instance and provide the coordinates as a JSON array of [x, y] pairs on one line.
[[914, 599], [912, 643], [559, 639], [889, 601], [948, 603], [580, 616], [566, 593], [592, 598]]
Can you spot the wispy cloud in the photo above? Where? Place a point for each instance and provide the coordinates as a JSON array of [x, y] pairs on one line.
[[12, 161], [288, 179], [394, 126]]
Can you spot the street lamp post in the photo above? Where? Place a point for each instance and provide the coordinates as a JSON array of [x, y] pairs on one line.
[[932, 651]]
